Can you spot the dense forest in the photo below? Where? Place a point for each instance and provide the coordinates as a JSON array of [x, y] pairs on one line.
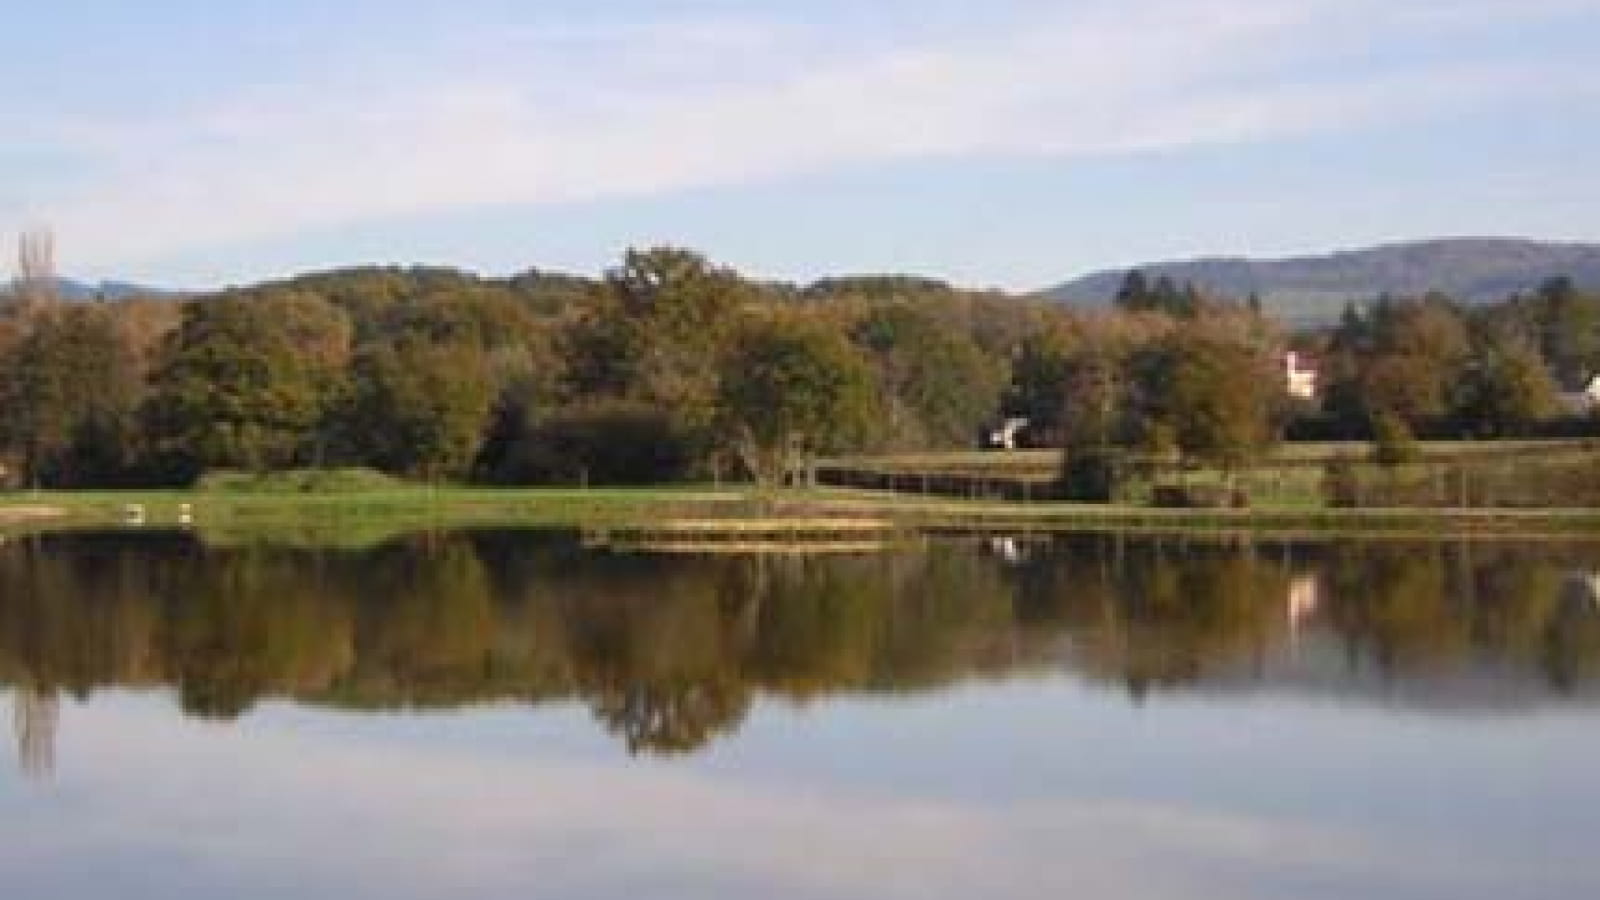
[[671, 368]]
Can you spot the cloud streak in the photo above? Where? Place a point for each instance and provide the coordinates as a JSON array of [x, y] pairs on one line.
[[550, 115], [239, 811]]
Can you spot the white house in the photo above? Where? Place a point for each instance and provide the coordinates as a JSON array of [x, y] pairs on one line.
[[1299, 376]]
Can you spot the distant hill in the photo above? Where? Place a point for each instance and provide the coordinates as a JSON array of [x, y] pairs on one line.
[[108, 290], [76, 291], [1314, 289]]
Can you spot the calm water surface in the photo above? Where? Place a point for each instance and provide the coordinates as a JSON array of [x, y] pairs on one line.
[[507, 714]]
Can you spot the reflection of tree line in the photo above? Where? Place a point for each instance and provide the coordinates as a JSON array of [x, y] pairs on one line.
[[668, 652], [1161, 613], [1435, 606]]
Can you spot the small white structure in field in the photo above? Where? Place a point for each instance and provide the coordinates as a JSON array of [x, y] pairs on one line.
[[185, 514], [1584, 402], [1299, 376], [133, 514], [1005, 437]]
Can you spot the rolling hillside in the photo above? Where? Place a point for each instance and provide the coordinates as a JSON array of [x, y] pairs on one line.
[[1314, 289]]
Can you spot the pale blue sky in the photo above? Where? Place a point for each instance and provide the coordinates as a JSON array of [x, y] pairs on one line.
[[1010, 143]]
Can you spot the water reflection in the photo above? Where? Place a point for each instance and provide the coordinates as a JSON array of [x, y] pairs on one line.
[[34, 716], [670, 652]]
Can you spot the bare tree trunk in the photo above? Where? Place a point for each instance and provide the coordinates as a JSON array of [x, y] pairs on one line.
[[764, 465], [36, 286]]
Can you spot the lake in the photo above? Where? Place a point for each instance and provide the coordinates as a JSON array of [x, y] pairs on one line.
[[496, 714]]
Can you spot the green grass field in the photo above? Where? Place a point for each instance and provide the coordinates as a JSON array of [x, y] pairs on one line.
[[362, 521], [1290, 478], [1044, 462], [340, 509], [361, 517]]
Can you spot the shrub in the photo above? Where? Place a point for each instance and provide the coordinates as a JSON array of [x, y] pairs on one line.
[[607, 443], [1341, 487], [1089, 476], [1394, 444], [1199, 496]]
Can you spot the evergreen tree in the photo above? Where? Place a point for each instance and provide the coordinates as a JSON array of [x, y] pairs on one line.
[[1134, 295]]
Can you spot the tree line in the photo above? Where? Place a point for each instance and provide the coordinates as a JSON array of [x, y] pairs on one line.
[[1174, 377], [666, 368], [669, 368], [1429, 366]]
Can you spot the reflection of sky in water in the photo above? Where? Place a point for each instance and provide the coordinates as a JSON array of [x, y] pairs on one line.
[[1030, 788], [1092, 717]]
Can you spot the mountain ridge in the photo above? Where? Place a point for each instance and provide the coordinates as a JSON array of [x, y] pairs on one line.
[[1314, 289], [1304, 290]]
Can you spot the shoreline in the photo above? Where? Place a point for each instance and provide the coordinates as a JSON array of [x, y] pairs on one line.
[[643, 510]]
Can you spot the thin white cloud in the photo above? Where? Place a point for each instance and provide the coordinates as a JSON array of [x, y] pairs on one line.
[[576, 114]]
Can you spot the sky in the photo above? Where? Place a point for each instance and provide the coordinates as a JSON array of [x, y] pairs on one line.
[[1009, 143]]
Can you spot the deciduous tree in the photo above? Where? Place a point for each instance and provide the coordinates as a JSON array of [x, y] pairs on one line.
[[793, 389], [243, 384]]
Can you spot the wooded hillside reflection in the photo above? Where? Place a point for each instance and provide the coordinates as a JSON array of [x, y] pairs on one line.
[[669, 652]]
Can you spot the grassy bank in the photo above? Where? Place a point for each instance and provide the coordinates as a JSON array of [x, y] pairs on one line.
[[358, 507], [368, 517], [359, 517], [1529, 474]]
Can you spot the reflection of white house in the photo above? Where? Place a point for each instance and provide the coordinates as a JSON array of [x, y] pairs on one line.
[[1299, 376], [1583, 402], [1303, 600], [1588, 583], [1007, 549]]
